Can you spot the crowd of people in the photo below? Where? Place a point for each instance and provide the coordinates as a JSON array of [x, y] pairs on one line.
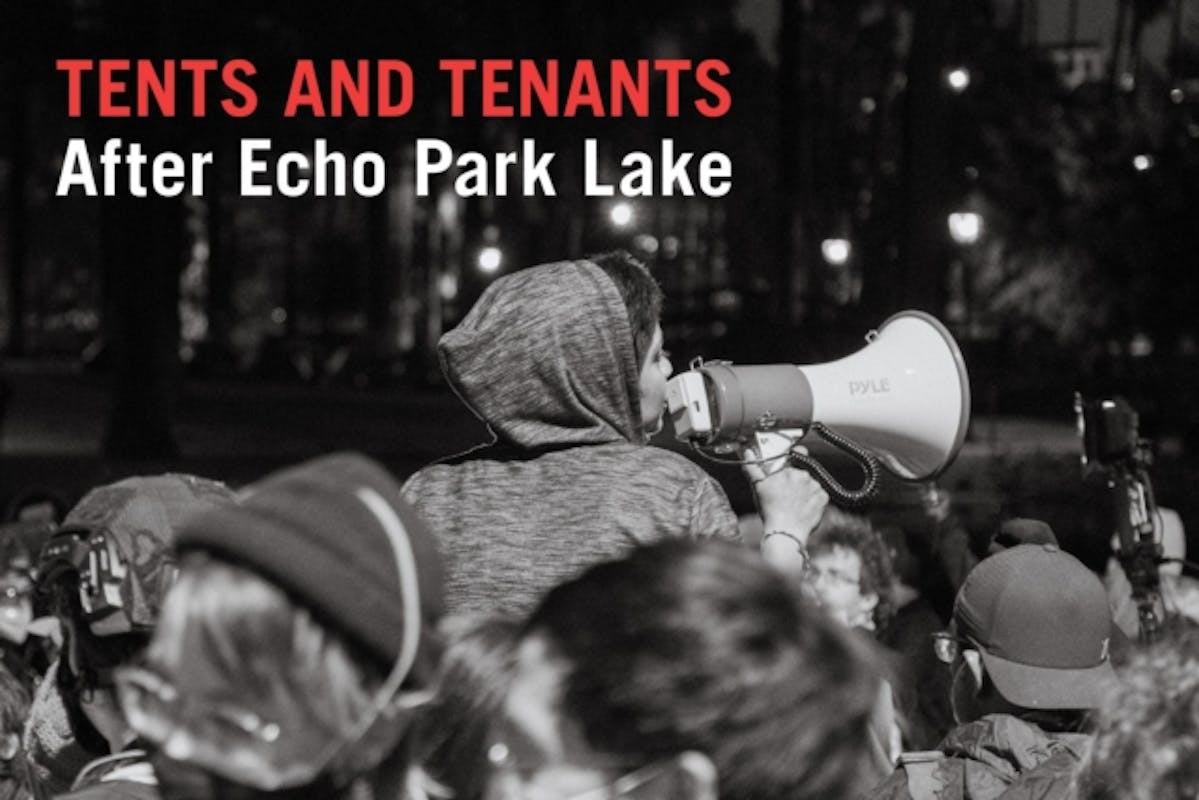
[[566, 612]]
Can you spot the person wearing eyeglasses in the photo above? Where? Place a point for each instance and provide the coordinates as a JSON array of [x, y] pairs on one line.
[[850, 571], [685, 671], [103, 575], [296, 644], [27, 644], [1029, 651], [849, 575]]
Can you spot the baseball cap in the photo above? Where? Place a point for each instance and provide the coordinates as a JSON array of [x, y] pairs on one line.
[[1041, 622]]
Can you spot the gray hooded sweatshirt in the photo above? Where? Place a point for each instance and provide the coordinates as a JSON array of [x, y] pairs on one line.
[[545, 358]]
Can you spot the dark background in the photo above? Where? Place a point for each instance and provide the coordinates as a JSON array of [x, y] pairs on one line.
[[228, 335]]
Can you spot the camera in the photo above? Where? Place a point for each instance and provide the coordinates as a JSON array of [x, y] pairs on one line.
[[1109, 430], [1111, 443]]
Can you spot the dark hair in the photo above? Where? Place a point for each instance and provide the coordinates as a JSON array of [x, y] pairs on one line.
[[476, 671], [16, 774], [96, 655], [14, 702], [838, 528], [702, 646], [641, 294]]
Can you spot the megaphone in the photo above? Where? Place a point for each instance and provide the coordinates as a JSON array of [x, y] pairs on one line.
[[902, 401]]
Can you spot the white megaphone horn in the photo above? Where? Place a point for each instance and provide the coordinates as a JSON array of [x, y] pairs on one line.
[[902, 401]]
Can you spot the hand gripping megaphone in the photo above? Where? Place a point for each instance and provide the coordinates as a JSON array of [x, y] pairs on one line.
[[902, 402]]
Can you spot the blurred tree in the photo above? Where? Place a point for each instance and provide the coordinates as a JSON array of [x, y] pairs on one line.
[[26, 32], [936, 28], [1082, 275], [1086, 200], [847, 127], [142, 248]]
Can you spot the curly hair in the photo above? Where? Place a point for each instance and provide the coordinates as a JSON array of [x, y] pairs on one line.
[[838, 528], [1147, 734]]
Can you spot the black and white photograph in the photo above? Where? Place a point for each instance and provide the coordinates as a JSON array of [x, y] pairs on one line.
[[580, 400]]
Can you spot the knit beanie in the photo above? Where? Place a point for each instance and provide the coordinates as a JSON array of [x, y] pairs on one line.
[[335, 534]]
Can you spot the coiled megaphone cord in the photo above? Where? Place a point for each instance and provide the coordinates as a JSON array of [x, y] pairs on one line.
[[866, 460]]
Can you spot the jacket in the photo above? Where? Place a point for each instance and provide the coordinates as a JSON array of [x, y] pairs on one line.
[[124, 776], [546, 359], [998, 757]]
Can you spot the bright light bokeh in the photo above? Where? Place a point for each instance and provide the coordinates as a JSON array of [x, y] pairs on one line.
[[621, 215], [965, 226], [958, 79], [647, 243], [836, 251], [447, 286], [490, 259]]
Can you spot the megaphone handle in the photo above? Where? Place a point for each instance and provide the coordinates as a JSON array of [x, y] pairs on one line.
[[865, 459]]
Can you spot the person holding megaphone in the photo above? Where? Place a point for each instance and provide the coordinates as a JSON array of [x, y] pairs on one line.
[[564, 364], [902, 403]]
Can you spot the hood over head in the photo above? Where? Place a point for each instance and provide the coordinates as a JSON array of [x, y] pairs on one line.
[[545, 357]]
